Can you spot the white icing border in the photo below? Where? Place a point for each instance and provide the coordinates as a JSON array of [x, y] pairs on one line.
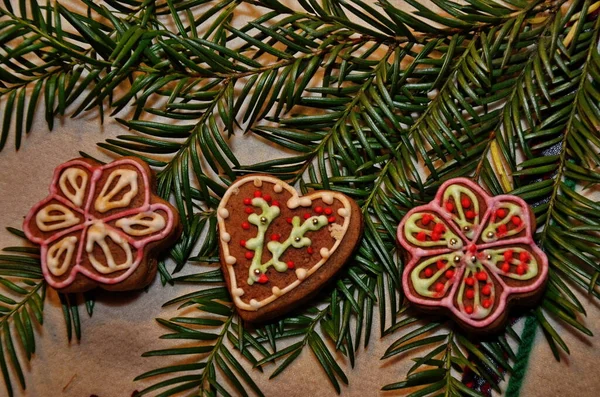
[[295, 199]]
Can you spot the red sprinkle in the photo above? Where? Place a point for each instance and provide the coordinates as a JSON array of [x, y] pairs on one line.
[[328, 211], [440, 264], [521, 270], [470, 281], [469, 309], [275, 237], [267, 198], [472, 248], [426, 219], [306, 216], [331, 219], [470, 294], [319, 210], [449, 273], [439, 228], [502, 230], [275, 203], [486, 303], [243, 243], [290, 265], [263, 279], [428, 272], [421, 236], [486, 290], [257, 193], [500, 213], [435, 236], [524, 256], [516, 220], [249, 254], [470, 214], [508, 255], [439, 287], [449, 206], [465, 202], [310, 250], [505, 267], [288, 220], [481, 276], [245, 225], [247, 201], [249, 210]]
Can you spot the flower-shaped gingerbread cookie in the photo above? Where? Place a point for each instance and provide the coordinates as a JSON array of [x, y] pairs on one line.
[[98, 225], [471, 254]]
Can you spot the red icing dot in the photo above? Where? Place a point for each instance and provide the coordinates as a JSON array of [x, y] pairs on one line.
[[486, 290], [328, 211], [319, 210], [439, 228], [508, 254], [470, 384], [521, 269], [449, 206], [245, 225], [426, 219], [435, 236], [470, 281], [439, 287], [275, 203], [465, 202], [470, 294], [288, 220], [500, 213], [428, 272], [331, 219], [472, 248], [524, 256], [275, 237], [243, 243], [486, 303], [502, 230], [247, 201], [267, 198], [449, 273], [290, 264], [440, 264], [516, 220], [249, 255], [310, 250], [249, 210], [421, 236], [306, 216], [263, 279], [469, 309], [481, 276], [257, 193], [470, 214], [505, 267]]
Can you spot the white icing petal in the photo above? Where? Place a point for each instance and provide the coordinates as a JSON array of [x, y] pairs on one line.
[[150, 221], [65, 246], [77, 180], [97, 234], [296, 202], [48, 222], [127, 178]]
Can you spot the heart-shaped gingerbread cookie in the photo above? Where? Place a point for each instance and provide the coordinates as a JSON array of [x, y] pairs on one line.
[[278, 248]]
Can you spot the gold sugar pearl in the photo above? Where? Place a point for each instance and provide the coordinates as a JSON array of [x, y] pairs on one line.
[[490, 234], [315, 221], [466, 228], [256, 271], [456, 259], [297, 239], [453, 241], [263, 220], [473, 258], [489, 257]]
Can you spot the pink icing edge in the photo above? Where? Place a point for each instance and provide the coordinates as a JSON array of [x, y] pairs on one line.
[[139, 245], [417, 254]]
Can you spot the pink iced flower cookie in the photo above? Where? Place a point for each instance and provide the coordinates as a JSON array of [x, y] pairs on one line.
[[100, 224], [471, 255]]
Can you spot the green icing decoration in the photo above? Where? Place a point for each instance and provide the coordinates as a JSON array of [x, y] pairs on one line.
[[411, 228], [422, 285], [455, 191], [490, 230], [276, 248]]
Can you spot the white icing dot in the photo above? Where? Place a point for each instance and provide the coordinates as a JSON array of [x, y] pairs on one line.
[[237, 292], [293, 203], [343, 212], [223, 213], [324, 252], [258, 182], [327, 198], [226, 237], [276, 291], [301, 274], [305, 202], [277, 188], [254, 303], [230, 260]]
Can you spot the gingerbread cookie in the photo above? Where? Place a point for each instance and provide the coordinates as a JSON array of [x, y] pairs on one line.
[[100, 226], [471, 255], [278, 248]]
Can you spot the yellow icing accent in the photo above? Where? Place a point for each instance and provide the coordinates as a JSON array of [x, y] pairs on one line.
[[45, 221], [153, 225], [126, 178], [71, 175], [55, 266], [97, 234]]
